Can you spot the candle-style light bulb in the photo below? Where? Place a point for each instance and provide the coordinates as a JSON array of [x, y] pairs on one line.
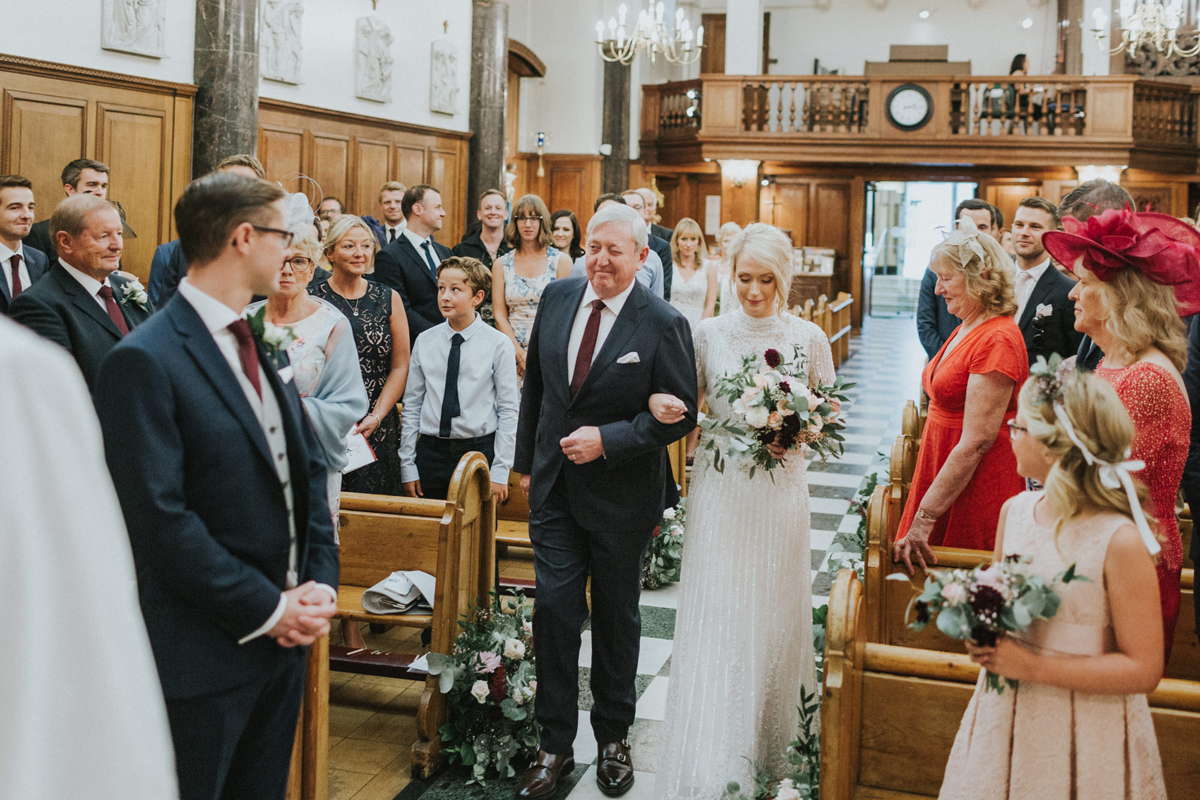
[[700, 36], [599, 31], [678, 15], [659, 9], [621, 13]]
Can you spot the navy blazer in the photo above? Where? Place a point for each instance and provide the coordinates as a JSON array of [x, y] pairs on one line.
[[401, 267], [935, 323], [39, 238], [1056, 332], [628, 487], [167, 269], [36, 265], [203, 503], [663, 247], [61, 310]]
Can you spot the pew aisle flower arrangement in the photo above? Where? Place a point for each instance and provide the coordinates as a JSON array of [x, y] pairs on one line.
[[490, 685], [803, 778], [775, 405], [985, 603], [664, 557]]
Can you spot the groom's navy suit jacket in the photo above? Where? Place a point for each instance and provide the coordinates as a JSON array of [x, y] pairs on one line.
[[629, 486], [203, 503]]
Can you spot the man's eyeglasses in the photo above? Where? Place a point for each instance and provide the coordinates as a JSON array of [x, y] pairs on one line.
[[288, 236]]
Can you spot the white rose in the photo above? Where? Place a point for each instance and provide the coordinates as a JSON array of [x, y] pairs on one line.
[[514, 649], [480, 691], [669, 513], [787, 790], [757, 417]]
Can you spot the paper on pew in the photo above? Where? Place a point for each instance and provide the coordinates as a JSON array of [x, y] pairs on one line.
[[420, 664], [403, 592], [359, 452]]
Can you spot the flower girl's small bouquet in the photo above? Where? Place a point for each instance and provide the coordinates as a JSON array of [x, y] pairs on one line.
[[775, 405], [982, 603]]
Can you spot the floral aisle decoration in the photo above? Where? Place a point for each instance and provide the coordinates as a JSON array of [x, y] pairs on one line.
[[802, 779], [775, 405], [664, 556], [984, 603], [490, 687]]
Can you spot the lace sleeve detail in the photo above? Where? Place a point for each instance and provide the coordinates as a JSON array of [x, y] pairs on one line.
[[700, 345], [820, 356]]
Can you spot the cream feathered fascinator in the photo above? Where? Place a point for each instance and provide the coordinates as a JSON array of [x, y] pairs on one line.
[[299, 213], [964, 240]]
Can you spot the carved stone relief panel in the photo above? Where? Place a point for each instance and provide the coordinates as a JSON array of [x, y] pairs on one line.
[[443, 81], [134, 26], [373, 60], [279, 43]]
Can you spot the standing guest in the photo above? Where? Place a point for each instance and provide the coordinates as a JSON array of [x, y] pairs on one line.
[[168, 266], [525, 272], [391, 201], [20, 266], [409, 264], [934, 323], [727, 299], [566, 233], [1190, 483], [1128, 303], [462, 393], [376, 316], [659, 244], [82, 305], [965, 468], [487, 243], [81, 176], [330, 209], [222, 485], [650, 213], [1045, 314], [1006, 242], [651, 272], [695, 280], [1078, 725]]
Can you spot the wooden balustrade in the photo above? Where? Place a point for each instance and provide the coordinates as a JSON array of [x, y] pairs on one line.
[[794, 105], [679, 106], [1164, 112]]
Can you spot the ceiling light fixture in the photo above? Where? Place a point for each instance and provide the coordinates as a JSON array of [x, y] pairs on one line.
[[924, 13]]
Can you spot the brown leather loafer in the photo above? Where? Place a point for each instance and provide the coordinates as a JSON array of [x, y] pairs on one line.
[[614, 768], [540, 779]]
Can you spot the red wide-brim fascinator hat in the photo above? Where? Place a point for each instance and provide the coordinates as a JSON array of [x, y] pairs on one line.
[[1164, 249]]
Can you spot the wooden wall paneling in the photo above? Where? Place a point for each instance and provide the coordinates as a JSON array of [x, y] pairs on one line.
[[135, 143], [786, 205], [829, 225], [42, 133], [372, 169], [281, 151], [857, 234], [1166, 197], [329, 163], [1007, 197], [409, 166], [181, 163], [443, 171]]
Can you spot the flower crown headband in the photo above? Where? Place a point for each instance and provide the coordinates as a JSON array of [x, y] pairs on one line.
[[1053, 378]]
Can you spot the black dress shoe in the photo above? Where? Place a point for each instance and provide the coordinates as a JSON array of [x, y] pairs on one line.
[[614, 769], [540, 779]]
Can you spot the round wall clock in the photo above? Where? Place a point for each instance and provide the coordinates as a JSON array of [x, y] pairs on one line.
[[909, 107]]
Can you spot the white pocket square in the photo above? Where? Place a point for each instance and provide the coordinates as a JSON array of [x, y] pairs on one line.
[[629, 358], [285, 375], [1045, 310]]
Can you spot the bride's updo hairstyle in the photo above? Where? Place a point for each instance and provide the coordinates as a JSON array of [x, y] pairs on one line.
[[1100, 421], [771, 248]]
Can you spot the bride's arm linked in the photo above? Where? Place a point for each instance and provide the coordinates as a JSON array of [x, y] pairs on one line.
[[669, 409]]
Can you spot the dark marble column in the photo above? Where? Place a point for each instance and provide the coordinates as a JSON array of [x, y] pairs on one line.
[[226, 70], [614, 128], [489, 98]]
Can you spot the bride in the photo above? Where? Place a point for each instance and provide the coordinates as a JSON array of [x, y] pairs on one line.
[[743, 635]]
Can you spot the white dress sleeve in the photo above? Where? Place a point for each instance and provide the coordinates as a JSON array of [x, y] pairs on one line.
[[820, 357], [700, 345]]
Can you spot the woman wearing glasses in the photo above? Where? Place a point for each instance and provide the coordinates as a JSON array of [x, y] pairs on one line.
[[525, 271], [376, 316]]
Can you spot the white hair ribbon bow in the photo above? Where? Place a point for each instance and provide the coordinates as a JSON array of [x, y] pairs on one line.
[[1115, 476]]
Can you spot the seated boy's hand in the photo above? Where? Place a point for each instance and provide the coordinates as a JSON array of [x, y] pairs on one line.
[[500, 491], [667, 408], [413, 489]]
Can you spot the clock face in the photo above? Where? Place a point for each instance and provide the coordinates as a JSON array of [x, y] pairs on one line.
[[909, 107]]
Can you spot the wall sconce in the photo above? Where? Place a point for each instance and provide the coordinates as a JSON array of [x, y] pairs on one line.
[[739, 171], [1109, 172]]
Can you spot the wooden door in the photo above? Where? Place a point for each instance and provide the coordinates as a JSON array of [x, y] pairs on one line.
[[712, 58], [135, 143], [1007, 197]]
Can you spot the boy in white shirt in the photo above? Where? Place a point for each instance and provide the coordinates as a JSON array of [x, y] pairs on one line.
[[462, 393]]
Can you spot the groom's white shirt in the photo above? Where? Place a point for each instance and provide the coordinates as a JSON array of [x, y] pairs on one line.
[[612, 310]]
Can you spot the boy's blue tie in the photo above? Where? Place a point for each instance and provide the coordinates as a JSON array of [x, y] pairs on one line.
[[450, 407]]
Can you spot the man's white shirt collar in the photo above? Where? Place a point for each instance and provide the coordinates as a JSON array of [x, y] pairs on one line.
[[417, 241], [89, 284], [213, 313], [614, 304], [6, 254], [1036, 272]]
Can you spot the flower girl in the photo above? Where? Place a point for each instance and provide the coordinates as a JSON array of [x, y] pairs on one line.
[[1079, 725]]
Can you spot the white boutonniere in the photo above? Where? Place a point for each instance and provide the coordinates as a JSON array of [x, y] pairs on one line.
[[274, 338], [1045, 310], [135, 293]]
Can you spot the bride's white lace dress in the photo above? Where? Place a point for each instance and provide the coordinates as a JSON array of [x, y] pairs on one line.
[[743, 633]]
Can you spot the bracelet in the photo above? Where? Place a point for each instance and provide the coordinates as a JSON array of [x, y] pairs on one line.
[[925, 515], [372, 414]]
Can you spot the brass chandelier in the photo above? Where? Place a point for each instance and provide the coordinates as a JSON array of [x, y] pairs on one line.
[[649, 36], [1152, 23]]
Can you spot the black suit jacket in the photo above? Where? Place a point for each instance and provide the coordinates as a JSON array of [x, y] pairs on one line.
[[202, 501], [39, 238], [935, 323], [627, 488], [61, 310], [1054, 333], [401, 267], [663, 248], [36, 265]]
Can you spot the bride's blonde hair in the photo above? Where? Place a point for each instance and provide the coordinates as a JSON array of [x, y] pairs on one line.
[[771, 248]]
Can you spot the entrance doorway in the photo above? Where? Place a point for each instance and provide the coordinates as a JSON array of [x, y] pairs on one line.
[[905, 221]]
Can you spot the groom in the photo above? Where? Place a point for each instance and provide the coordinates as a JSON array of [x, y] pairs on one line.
[[594, 466]]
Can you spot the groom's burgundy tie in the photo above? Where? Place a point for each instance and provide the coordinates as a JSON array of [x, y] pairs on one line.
[[587, 347], [247, 352]]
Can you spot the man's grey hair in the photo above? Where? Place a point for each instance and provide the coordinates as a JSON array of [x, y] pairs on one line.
[[649, 196], [616, 212], [72, 214]]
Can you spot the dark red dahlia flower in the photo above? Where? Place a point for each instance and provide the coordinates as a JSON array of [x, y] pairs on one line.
[[499, 684], [772, 358]]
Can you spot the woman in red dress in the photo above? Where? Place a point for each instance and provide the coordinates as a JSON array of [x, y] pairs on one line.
[[1136, 275], [966, 468]]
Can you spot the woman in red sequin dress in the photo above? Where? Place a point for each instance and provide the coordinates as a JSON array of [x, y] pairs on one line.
[[1136, 273]]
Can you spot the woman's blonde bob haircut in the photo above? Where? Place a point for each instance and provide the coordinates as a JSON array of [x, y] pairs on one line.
[[771, 248], [989, 279], [1142, 314], [1102, 423], [529, 206], [688, 227], [338, 230]]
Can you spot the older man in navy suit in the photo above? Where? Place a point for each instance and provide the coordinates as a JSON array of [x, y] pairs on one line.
[[222, 486], [409, 264], [20, 265]]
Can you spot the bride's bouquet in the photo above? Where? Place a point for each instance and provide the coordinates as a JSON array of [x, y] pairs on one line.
[[775, 406]]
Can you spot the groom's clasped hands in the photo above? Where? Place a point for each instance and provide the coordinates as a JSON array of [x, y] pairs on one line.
[[305, 616]]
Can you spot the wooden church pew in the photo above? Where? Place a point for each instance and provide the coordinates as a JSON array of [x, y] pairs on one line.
[[838, 323], [913, 423], [890, 714]]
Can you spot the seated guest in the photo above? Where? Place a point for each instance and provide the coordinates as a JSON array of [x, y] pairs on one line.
[[462, 393], [1129, 303], [727, 301], [376, 316], [965, 468], [934, 323], [391, 201], [1045, 314], [81, 304], [659, 244], [81, 176], [649, 275], [20, 266], [650, 213], [487, 243], [521, 275], [409, 264], [168, 266], [566, 234], [695, 279]]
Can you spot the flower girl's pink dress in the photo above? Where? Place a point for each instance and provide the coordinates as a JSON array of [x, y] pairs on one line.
[[1052, 744]]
